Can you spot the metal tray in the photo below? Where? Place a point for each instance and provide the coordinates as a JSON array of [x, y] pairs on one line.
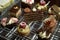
[[56, 33], [34, 26], [15, 36]]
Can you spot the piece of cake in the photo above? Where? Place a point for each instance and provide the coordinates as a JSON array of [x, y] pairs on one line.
[[9, 22], [18, 13], [6, 21], [23, 29], [42, 5], [48, 27], [15, 11], [4, 4]]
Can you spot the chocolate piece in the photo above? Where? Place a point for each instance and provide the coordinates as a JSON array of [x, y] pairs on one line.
[[14, 9]]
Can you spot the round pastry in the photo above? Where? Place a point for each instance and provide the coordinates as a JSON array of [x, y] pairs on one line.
[[27, 10], [42, 6], [23, 29]]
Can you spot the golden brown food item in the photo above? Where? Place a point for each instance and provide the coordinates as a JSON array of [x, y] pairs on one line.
[[42, 5], [18, 13], [54, 9], [27, 10], [48, 27], [23, 29]]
